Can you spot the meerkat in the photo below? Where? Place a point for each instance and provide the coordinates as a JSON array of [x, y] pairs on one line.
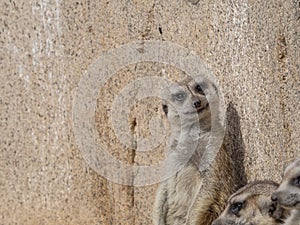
[[251, 205], [191, 195], [288, 193]]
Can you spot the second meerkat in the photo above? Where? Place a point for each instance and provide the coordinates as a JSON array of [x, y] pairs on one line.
[[288, 193], [252, 205], [190, 195]]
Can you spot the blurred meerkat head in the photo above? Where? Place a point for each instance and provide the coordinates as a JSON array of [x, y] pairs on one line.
[[187, 101], [251, 205], [288, 193]]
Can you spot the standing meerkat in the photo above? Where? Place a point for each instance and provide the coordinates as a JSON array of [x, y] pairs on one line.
[[288, 193], [189, 194], [251, 205]]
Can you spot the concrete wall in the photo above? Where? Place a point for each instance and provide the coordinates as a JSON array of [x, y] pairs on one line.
[[47, 46]]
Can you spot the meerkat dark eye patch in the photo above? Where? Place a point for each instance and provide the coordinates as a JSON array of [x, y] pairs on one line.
[[296, 181], [180, 96], [200, 87], [236, 207]]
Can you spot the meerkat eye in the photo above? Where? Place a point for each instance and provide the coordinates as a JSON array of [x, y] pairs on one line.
[[180, 96], [236, 207], [296, 181], [199, 89]]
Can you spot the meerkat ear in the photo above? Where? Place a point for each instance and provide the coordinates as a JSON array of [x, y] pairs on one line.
[[165, 109]]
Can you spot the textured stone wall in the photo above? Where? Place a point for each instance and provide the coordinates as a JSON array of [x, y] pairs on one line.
[[46, 48]]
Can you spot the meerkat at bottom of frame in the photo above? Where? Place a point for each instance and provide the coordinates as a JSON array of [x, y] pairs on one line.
[[288, 193], [251, 205], [192, 196]]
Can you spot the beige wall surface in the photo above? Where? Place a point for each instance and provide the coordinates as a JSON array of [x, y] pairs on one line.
[[46, 49]]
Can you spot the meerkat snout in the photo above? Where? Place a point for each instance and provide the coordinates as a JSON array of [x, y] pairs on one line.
[[274, 197], [197, 103]]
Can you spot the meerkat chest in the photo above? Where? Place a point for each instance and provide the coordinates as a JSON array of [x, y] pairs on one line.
[[183, 188]]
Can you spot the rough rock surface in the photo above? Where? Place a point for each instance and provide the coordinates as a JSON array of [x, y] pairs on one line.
[[47, 46]]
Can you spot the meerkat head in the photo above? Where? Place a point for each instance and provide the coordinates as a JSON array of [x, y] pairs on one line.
[[288, 193], [251, 205], [188, 100]]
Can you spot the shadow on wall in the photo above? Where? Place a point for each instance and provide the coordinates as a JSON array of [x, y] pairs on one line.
[[235, 145]]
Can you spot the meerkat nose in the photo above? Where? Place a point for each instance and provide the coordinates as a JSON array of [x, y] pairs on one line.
[[274, 197], [197, 104]]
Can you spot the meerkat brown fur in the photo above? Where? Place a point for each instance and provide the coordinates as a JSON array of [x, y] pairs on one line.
[[251, 205], [288, 193], [190, 195]]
